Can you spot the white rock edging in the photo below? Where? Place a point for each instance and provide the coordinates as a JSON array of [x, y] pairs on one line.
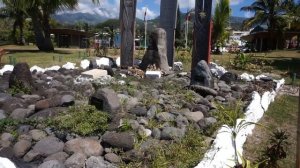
[[222, 152], [6, 163], [6, 68]]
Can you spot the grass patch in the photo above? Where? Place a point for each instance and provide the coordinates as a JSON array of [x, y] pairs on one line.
[[185, 153], [281, 114], [83, 120]]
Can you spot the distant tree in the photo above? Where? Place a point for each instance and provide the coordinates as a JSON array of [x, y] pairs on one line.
[[10, 10], [269, 12], [178, 24], [40, 11], [221, 22]]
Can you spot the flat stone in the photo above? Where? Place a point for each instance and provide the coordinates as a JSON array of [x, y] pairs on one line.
[[48, 146], [77, 160], [204, 91], [20, 114], [112, 158], [172, 133], [60, 156], [7, 137], [98, 162], [52, 164], [21, 147], [2, 114], [94, 73], [139, 111], [67, 100], [106, 100], [194, 116], [165, 116], [31, 155], [37, 135], [119, 140], [89, 147]]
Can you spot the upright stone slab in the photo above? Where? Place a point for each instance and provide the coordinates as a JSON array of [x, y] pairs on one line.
[[202, 32], [127, 26], [168, 18]]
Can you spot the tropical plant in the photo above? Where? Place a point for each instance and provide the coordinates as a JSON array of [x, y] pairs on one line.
[[241, 61], [221, 22], [276, 150], [40, 11], [269, 12], [11, 11]]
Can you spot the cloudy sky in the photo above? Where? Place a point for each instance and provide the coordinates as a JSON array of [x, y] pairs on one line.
[[110, 8]]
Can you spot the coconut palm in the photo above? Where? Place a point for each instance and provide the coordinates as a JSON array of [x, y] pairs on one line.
[[221, 22], [40, 11], [19, 17], [269, 12]]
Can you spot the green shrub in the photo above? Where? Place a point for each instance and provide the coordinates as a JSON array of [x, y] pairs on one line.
[[6, 123], [229, 114], [82, 120]]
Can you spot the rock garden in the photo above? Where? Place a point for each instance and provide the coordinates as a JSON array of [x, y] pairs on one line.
[[111, 117]]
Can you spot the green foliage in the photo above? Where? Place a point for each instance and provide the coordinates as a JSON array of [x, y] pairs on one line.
[[185, 153], [83, 120], [276, 149], [247, 163], [221, 22], [241, 61], [19, 88], [229, 114], [125, 126], [7, 123]]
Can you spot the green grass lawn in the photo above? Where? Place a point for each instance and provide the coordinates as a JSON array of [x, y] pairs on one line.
[[282, 114]]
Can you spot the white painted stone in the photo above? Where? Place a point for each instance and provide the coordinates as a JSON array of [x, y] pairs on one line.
[[217, 70], [84, 64], [222, 152], [69, 65], [118, 61], [153, 74], [6, 163], [121, 82], [6, 68], [246, 77], [178, 66], [123, 75], [260, 76], [53, 68], [95, 73], [37, 68], [103, 62]]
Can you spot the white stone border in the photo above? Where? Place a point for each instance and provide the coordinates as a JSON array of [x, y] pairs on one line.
[[222, 152]]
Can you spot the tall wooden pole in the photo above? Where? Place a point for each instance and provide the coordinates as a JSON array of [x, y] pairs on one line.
[[202, 31], [168, 19], [127, 27], [298, 135]]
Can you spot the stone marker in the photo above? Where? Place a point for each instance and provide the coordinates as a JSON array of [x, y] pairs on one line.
[[21, 77], [127, 26], [153, 74], [95, 73], [201, 75], [156, 52], [168, 19], [202, 32]]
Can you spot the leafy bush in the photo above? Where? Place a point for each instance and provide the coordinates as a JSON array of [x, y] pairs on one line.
[[229, 114], [241, 61], [83, 120]]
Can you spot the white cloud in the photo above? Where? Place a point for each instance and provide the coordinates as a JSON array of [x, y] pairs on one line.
[[235, 2], [248, 14], [141, 12]]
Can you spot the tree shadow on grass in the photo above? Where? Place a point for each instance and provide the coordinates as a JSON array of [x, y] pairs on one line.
[[287, 64]]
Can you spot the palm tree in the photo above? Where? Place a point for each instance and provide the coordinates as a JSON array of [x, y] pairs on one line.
[[40, 11], [221, 22], [269, 12], [19, 17]]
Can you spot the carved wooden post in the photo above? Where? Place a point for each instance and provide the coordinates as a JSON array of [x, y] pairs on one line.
[[202, 32], [168, 18], [127, 27]]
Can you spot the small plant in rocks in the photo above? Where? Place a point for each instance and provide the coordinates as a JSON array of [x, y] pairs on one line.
[[18, 88], [7, 123], [276, 149], [229, 114], [82, 120]]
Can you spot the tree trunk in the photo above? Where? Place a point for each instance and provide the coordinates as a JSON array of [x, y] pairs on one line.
[[42, 40], [21, 26], [13, 33], [48, 43]]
